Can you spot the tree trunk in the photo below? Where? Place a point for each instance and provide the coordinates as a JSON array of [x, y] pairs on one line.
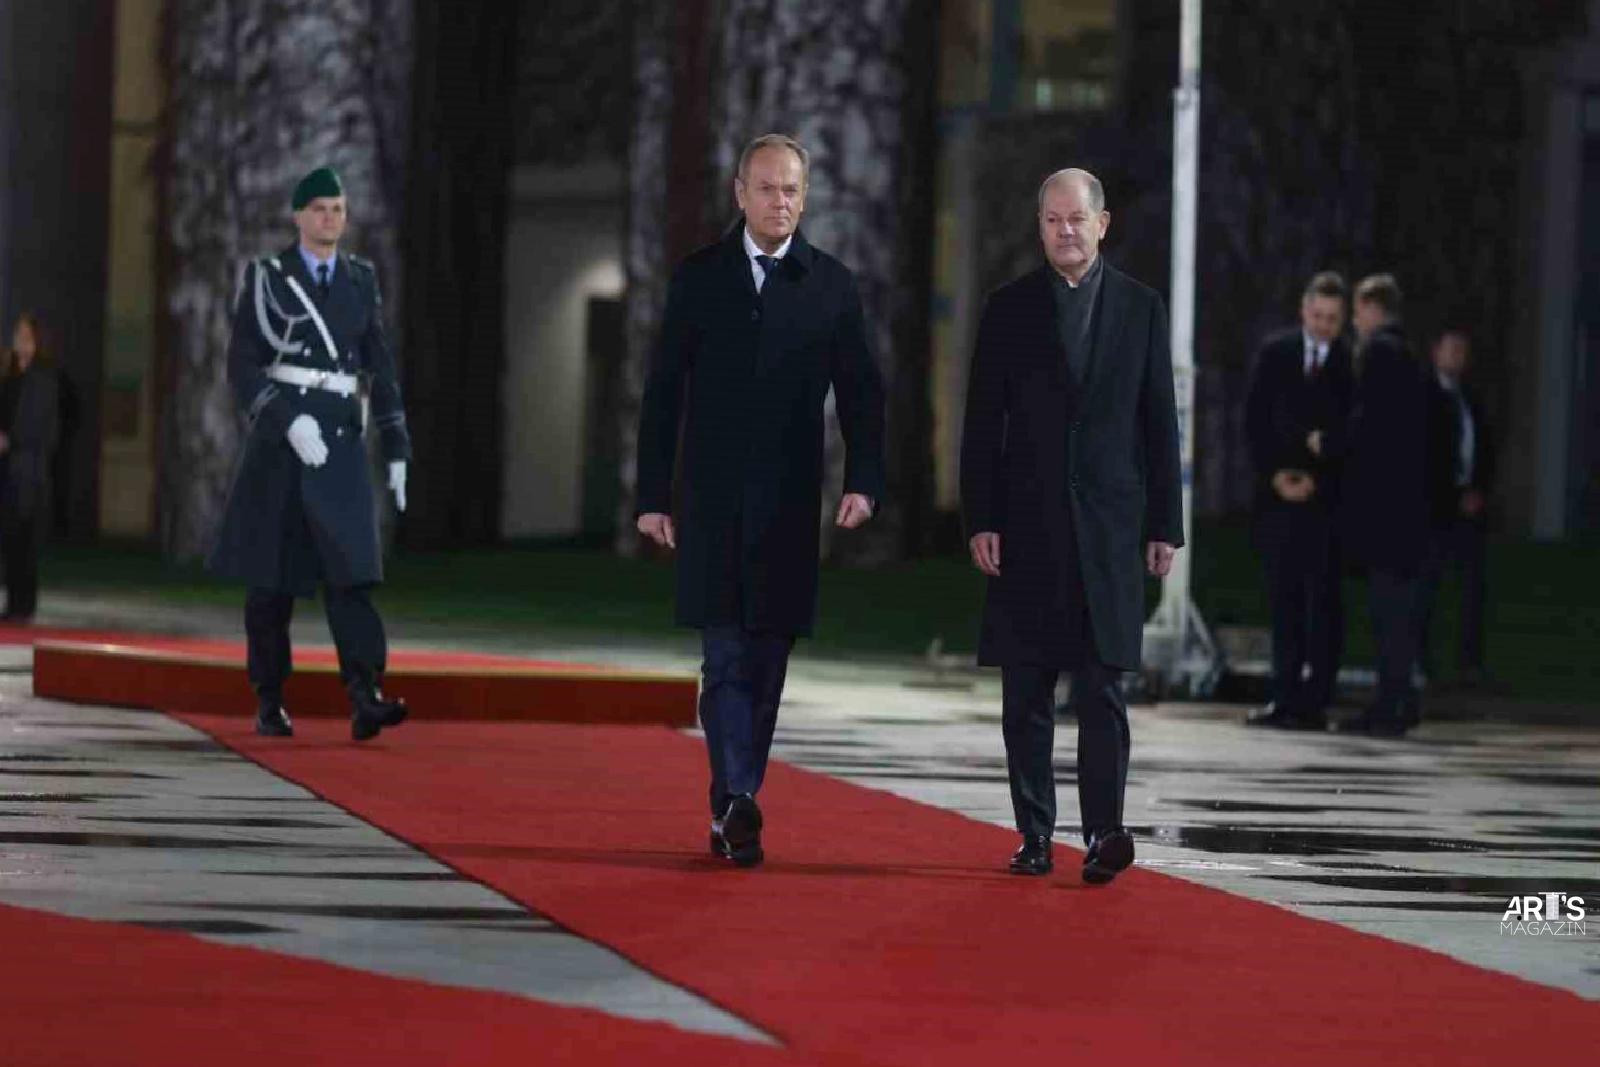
[[260, 92]]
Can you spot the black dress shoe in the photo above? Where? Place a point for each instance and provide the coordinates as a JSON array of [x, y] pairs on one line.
[[1034, 857], [741, 831], [1277, 717], [370, 713], [1109, 855], [718, 844], [1376, 722], [273, 721]]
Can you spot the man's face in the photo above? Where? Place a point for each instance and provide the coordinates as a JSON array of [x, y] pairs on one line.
[[1070, 230], [1368, 317], [772, 194], [1450, 354], [321, 222], [1322, 317]]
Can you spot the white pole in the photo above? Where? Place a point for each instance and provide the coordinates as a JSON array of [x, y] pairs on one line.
[[1176, 621]]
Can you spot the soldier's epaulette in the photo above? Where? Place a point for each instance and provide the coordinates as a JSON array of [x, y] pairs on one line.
[[365, 264]]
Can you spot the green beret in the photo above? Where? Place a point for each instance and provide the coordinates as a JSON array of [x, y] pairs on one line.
[[321, 182]]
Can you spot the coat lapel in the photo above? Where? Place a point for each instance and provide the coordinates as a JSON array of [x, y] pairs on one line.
[[1110, 320]]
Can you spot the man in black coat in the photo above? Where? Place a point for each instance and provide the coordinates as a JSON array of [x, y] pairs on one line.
[[1295, 412], [757, 327], [1461, 468], [307, 330], [1071, 492], [1386, 497]]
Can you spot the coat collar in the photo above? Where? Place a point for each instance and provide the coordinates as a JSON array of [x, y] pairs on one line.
[[294, 264], [1110, 319], [801, 254]]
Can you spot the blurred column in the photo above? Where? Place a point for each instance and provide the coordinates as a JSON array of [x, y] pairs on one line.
[[127, 446]]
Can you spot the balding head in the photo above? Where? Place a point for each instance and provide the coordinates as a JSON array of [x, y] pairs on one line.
[[1072, 221], [1091, 186]]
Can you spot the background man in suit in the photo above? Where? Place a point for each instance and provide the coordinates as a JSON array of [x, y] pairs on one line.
[[307, 328], [1294, 418], [1461, 465], [757, 326], [1071, 493], [1385, 497]]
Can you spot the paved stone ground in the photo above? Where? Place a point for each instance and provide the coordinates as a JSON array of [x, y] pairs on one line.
[[132, 816]]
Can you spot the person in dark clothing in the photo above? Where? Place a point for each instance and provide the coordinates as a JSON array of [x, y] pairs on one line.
[[1071, 493], [1461, 468], [757, 329], [29, 429], [1295, 415], [1386, 498]]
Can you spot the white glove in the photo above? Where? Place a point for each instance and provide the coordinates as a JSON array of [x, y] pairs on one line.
[[305, 437], [397, 483]]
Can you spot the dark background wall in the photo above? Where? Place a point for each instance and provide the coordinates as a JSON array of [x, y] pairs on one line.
[[55, 129]]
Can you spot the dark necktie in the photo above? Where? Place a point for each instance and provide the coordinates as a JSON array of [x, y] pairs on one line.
[[322, 281], [1313, 364], [768, 264]]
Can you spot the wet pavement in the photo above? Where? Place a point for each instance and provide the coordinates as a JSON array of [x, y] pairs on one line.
[[1421, 840]]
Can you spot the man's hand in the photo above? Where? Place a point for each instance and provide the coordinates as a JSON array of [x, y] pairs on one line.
[[1314, 442], [658, 527], [305, 437], [397, 483], [854, 510], [1472, 503], [1158, 558], [1295, 486], [986, 553]]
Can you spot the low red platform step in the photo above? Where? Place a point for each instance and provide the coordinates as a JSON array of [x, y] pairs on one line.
[[193, 676]]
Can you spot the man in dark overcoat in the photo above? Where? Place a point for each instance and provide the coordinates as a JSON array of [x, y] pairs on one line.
[[1071, 492], [757, 327], [1295, 412], [1386, 498], [307, 334]]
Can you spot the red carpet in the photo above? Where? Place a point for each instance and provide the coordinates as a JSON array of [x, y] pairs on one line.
[[880, 926], [185, 674], [90, 994]]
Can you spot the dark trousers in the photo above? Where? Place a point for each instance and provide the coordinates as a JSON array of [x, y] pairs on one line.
[[357, 634], [1303, 581], [1027, 719], [19, 545], [742, 679], [1464, 545], [1393, 599]]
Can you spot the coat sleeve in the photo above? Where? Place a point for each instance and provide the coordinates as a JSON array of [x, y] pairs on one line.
[[983, 432], [1260, 433], [858, 394], [264, 403], [1163, 486], [662, 405], [377, 358]]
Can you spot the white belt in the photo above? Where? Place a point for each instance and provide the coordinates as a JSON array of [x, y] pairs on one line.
[[331, 380]]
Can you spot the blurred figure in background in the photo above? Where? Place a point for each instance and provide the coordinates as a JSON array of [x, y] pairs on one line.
[[1386, 497], [29, 430], [1295, 413], [1461, 463]]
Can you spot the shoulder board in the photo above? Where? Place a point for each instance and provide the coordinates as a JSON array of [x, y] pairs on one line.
[[365, 264]]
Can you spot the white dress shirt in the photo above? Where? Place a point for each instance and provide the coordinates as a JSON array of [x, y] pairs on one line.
[[1316, 353], [752, 250]]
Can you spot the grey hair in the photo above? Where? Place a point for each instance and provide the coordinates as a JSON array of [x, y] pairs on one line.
[[776, 140], [1097, 192]]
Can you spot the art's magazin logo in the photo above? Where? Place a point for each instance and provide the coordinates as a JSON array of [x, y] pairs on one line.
[[1545, 915]]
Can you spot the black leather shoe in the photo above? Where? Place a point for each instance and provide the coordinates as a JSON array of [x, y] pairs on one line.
[[370, 713], [1109, 855], [273, 721], [1277, 717], [741, 830], [1034, 857], [1376, 722]]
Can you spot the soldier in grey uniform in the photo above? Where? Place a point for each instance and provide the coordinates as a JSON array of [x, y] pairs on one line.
[[307, 330]]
